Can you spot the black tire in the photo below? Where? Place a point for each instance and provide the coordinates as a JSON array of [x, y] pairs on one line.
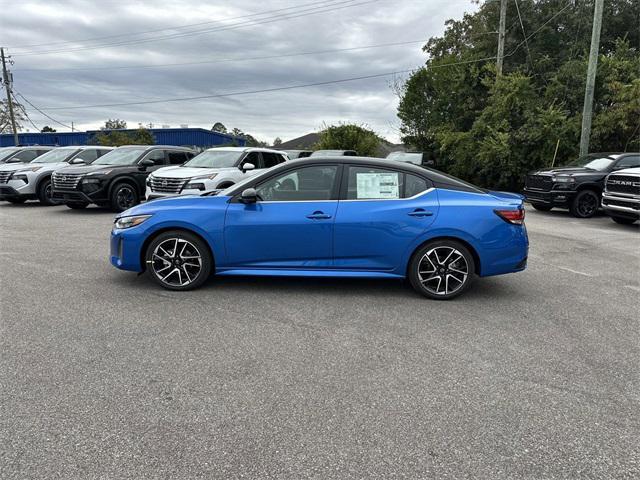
[[541, 207], [161, 261], [77, 205], [16, 201], [44, 193], [623, 220], [123, 197], [424, 270], [585, 204]]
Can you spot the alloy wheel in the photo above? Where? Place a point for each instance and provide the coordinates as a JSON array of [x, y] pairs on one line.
[[176, 262], [587, 205], [125, 197], [443, 270]]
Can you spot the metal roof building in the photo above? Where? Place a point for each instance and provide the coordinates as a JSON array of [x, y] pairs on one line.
[[192, 137]]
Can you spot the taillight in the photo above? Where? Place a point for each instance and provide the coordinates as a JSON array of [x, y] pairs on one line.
[[516, 217]]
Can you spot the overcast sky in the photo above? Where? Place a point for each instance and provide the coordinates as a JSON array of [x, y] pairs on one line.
[[234, 34]]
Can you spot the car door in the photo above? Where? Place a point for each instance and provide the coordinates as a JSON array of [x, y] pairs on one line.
[[159, 159], [291, 224], [380, 214]]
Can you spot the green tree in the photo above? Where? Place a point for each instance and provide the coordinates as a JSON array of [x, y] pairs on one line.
[[115, 138], [48, 129], [114, 124], [5, 120], [277, 142], [219, 127], [492, 130], [349, 136]]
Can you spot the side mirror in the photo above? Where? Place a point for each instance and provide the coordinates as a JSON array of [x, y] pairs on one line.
[[429, 163], [77, 161], [146, 163], [249, 196], [247, 167]]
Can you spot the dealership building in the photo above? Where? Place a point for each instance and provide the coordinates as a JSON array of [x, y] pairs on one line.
[[190, 137]]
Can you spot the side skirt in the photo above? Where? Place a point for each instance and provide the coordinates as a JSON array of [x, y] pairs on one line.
[[305, 273]]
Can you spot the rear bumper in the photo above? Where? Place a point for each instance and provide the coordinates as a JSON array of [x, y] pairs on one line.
[[552, 198], [621, 206]]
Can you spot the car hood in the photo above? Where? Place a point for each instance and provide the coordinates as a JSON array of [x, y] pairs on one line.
[[173, 203], [90, 168], [566, 171], [10, 167], [189, 172]]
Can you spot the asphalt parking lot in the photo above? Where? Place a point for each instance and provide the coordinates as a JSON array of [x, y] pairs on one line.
[[105, 375]]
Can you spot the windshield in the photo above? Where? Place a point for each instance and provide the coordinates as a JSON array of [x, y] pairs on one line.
[[55, 156], [415, 158], [215, 159], [120, 156], [593, 163], [6, 152]]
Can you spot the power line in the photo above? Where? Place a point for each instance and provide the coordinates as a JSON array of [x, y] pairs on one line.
[[169, 28], [36, 108], [276, 18], [524, 34], [24, 112], [224, 60], [292, 87]]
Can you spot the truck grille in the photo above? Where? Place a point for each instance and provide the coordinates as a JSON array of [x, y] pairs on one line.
[[65, 181], [539, 182], [167, 185], [623, 184], [4, 176]]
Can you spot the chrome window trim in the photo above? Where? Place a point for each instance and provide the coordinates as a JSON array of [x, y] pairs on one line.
[[428, 190]]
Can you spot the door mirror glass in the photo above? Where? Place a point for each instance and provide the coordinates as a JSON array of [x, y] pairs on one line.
[[247, 167], [249, 196]]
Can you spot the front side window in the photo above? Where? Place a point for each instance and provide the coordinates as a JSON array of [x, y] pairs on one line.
[[253, 158], [156, 156], [311, 183], [88, 155], [630, 161], [121, 156]]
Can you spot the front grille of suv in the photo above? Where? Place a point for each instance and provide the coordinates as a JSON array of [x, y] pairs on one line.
[[66, 181], [623, 184], [166, 185], [4, 176], [539, 182]]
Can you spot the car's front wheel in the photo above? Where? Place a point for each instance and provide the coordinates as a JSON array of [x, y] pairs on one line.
[[178, 260], [442, 269], [123, 197], [585, 204], [45, 192]]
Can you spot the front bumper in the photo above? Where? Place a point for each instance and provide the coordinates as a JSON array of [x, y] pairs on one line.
[[621, 206], [9, 190], [77, 196], [552, 198]]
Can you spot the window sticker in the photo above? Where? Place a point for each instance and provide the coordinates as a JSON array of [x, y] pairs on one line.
[[378, 185]]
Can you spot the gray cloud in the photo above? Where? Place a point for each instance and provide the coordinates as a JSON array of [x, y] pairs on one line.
[[266, 115]]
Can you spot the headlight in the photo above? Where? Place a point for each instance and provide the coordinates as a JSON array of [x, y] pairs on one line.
[[128, 222], [564, 179], [193, 183], [20, 176], [90, 180], [204, 177]]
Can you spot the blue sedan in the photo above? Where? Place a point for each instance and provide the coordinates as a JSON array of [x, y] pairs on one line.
[[329, 217]]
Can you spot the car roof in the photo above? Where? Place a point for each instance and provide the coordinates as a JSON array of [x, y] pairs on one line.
[[244, 149], [150, 147], [33, 147]]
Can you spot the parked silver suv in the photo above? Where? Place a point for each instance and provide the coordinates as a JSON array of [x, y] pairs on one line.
[[20, 182], [213, 169]]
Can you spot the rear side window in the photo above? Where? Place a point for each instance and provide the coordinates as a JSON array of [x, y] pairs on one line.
[[370, 183], [157, 156], [177, 158]]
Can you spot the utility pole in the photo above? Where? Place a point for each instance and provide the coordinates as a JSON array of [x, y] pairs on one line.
[[6, 79], [587, 109], [501, 35]]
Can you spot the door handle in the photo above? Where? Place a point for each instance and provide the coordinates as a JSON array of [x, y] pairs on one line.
[[319, 216], [420, 212]]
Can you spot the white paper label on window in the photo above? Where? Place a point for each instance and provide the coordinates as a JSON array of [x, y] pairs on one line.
[[378, 185]]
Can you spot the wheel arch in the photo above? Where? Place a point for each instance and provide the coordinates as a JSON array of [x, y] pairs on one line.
[[474, 253], [41, 180], [160, 231], [590, 186]]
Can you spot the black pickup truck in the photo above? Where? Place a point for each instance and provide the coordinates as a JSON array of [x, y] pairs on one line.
[[578, 185]]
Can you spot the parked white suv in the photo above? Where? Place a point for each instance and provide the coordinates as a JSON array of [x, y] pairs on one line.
[[20, 182], [213, 169]]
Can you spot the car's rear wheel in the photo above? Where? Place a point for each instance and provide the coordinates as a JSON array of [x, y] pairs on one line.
[[178, 260], [442, 269], [541, 207], [77, 205], [45, 192], [585, 204], [123, 197], [623, 220]]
